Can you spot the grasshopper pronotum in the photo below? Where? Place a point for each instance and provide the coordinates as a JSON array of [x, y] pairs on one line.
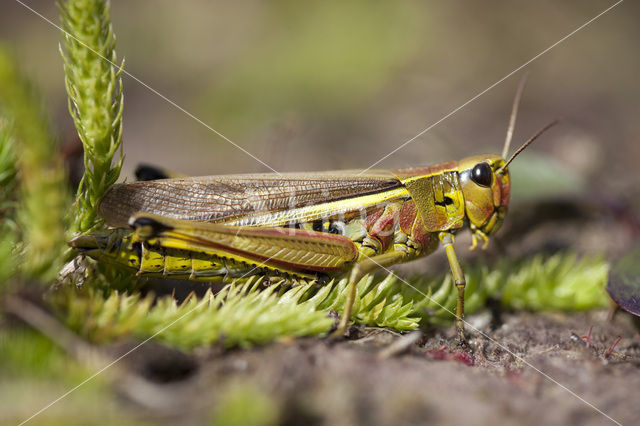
[[305, 225]]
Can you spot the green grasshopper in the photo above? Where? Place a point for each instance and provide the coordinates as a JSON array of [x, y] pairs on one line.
[[312, 226]]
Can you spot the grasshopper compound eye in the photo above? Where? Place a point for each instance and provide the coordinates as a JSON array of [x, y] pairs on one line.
[[481, 174]]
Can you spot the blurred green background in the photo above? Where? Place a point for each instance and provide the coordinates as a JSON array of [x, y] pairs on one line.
[[334, 85]]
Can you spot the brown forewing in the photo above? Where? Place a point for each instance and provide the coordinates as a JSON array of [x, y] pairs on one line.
[[217, 198]]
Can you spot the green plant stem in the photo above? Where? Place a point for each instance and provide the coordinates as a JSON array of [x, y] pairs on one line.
[[94, 85]]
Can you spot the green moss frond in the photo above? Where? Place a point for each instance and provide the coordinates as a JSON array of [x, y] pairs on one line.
[[242, 314], [561, 282], [239, 315], [94, 85], [245, 314], [40, 200], [378, 303]]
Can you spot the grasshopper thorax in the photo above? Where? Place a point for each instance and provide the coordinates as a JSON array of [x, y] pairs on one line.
[[485, 187]]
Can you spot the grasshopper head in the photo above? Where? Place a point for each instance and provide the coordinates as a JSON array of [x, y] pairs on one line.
[[485, 185]]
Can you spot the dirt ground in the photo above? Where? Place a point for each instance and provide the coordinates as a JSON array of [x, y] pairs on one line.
[[530, 369]]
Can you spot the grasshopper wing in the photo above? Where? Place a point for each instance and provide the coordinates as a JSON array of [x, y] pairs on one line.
[[225, 198]]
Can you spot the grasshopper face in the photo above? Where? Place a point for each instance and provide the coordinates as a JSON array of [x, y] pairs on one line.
[[485, 186]]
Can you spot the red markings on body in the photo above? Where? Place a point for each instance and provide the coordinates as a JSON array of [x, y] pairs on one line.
[[505, 189], [372, 217], [407, 216], [420, 234], [411, 224]]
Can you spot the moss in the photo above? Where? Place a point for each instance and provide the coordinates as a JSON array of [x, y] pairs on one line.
[[245, 314]]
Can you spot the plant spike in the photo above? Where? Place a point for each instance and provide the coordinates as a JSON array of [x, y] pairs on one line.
[[94, 85]]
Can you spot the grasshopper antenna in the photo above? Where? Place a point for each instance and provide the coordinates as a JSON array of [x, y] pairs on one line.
[[514, 114], [528, 142]]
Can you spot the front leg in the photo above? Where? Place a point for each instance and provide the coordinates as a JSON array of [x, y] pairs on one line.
[[459, 280]]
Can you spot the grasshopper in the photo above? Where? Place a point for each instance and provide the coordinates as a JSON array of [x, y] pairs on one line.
[[312, 226]]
